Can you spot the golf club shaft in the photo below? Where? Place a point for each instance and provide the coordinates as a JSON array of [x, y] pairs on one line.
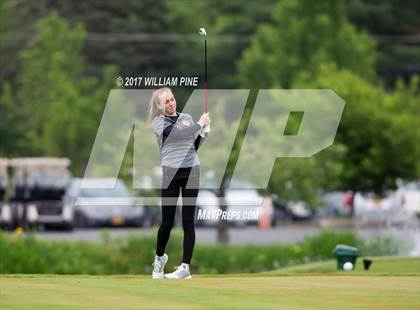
[[206, 86]]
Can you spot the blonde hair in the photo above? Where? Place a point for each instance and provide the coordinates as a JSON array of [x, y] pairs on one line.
[[154, 105]]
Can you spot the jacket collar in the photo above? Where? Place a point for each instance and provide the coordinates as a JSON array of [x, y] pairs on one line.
[[179, 114]]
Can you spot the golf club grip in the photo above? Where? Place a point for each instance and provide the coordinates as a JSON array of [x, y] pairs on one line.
[[206, 97]]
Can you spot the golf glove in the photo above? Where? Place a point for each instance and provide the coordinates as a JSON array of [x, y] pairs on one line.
[[204, 132]]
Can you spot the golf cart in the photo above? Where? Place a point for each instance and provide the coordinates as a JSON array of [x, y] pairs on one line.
[[6, 218], [38, 188]]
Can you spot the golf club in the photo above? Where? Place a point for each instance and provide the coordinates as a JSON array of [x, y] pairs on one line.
[[202, 32]]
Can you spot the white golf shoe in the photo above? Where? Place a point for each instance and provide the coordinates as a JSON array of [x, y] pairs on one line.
[[159, 266], [182, 272]]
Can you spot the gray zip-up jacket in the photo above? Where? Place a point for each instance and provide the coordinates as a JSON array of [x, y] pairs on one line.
[[177, 141]]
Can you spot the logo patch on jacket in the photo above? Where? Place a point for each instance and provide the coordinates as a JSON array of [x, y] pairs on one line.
[[186, 122]]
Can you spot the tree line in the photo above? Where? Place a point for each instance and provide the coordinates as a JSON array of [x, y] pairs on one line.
[[60, 58]]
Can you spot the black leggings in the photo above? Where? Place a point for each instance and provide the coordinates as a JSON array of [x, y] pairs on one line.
[[178, 183]]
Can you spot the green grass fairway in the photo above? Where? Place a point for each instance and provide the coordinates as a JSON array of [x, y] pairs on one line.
[[391, 283], [205, 292], [389, 266]]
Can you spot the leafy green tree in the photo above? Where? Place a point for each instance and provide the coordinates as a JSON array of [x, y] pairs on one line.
[[394, 27], [17, 22], [11, 130], [229, 24], [117, 32], [124, 33], [367, 152], [59, 107], [304, 34], [387, 17], [380, 130], [296, 179]]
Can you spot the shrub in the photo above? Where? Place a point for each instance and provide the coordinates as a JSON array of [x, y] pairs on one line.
[[134, 254]]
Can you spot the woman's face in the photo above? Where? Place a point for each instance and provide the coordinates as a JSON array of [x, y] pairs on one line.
[[168, 103]]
